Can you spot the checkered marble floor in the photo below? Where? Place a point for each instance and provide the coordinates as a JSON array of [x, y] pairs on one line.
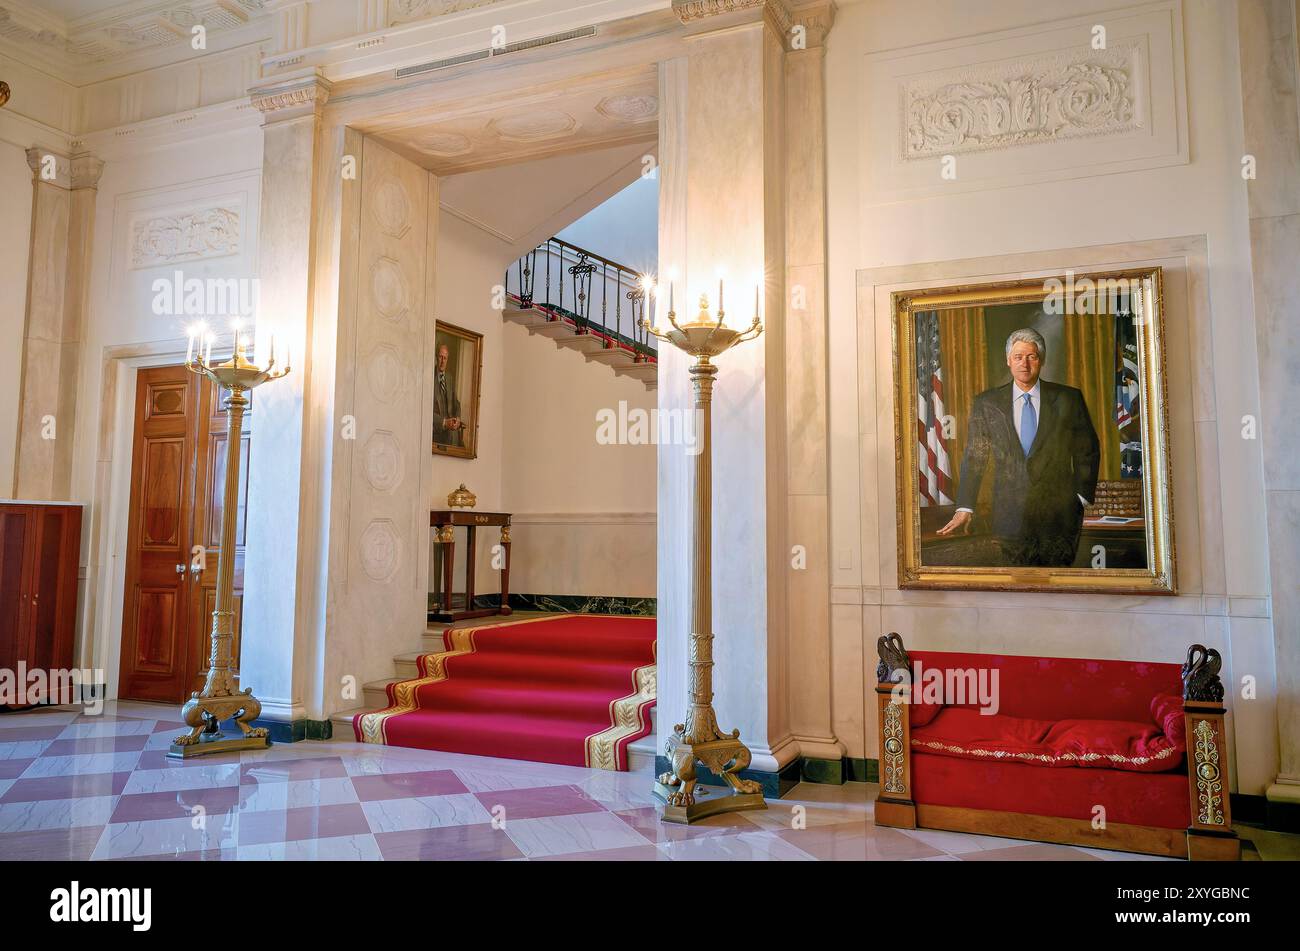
[[74, 786]]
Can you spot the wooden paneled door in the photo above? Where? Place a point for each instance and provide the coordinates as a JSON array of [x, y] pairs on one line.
[[15, 525], [173, 540]]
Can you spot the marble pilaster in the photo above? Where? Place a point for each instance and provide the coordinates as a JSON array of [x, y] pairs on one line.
[[279, 642], [807, 479], [729, 205], [63, 217], [1269, 53]]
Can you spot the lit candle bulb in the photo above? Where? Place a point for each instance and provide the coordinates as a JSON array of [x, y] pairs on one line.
[[720, 310], [757, 304], [272, 348], [189, 349]]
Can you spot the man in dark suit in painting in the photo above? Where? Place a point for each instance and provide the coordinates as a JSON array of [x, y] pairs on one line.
[[447, 424], [1039, 441]]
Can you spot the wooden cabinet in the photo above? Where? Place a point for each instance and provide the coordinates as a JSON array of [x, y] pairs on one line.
[[39, 545]]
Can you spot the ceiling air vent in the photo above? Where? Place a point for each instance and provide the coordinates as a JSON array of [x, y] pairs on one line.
[[441, 64], [578, 34]]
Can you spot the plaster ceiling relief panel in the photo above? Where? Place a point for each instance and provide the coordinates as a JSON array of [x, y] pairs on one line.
[[389, 291], [535, 125], [444, 144], [629, 108], [93, 33]]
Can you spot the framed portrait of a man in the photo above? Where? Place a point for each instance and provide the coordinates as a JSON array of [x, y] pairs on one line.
[[458, 370], [1032, 437]]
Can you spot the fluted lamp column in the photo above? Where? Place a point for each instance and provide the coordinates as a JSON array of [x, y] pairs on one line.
[[218, 701], [699, 740]]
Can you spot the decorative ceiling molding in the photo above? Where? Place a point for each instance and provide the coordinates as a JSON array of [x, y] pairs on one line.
[[409, 11], [124, 31], [776, 12]]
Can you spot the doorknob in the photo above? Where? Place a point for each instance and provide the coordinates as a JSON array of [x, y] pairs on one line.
[[181, 569]]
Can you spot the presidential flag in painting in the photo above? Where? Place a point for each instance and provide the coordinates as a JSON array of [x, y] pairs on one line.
[[934, 474], [1128, 403]]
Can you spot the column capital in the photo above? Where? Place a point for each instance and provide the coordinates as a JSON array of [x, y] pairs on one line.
[[290, 97], [70, 172], [816, 17], [800, 25], [86, 171], [49, 166]]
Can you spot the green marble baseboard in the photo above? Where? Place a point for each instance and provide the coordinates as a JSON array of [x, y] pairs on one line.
[[296, 730], [775, 785], [836, 772]]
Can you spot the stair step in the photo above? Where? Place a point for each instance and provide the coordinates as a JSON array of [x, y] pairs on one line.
[[552, 329], [526, 318], [612, 356], [404, 665], [583, 343], [342, 725], [375, 693], [644, 372]]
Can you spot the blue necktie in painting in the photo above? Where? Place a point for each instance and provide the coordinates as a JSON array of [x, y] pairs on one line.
[[1028, 424]]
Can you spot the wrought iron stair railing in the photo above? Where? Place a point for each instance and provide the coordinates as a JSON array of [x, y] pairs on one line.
[[572, 281]]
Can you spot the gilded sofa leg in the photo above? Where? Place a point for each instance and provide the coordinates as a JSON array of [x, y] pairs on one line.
[[1210, 836], [894, 805]]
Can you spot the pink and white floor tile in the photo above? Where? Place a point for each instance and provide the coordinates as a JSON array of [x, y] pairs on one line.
[[75, 786]]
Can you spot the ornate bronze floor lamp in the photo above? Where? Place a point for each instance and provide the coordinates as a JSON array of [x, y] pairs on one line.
[[699, 739], [218, 701]]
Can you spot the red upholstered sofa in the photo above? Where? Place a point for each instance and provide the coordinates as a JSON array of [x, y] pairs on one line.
[[1085, 752]]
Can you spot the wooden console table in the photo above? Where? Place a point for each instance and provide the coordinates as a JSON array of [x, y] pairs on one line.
[[444, 523]]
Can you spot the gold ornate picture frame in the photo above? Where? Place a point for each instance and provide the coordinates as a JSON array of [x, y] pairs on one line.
[[986, 496], [457, 376]]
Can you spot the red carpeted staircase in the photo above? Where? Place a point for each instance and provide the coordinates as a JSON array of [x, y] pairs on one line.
[[571, 689]]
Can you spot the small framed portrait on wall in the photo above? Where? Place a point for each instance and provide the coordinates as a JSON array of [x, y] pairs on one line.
[[1031, 435], [458, 372]]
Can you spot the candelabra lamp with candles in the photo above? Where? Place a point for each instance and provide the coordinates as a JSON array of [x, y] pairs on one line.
[[699, 739], [204, 712]]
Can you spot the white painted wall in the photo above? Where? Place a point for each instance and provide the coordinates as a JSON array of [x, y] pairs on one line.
[[585, 510], [1222, 600], [226, 170], [624, 228], [470, 262], [537, 453]]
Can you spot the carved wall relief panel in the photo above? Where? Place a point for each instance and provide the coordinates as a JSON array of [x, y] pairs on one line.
[[1045, 98], [178, 237], [1035, 103]]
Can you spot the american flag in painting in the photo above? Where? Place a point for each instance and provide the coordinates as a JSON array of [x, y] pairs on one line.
[[935, 469], [1128, 404]]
